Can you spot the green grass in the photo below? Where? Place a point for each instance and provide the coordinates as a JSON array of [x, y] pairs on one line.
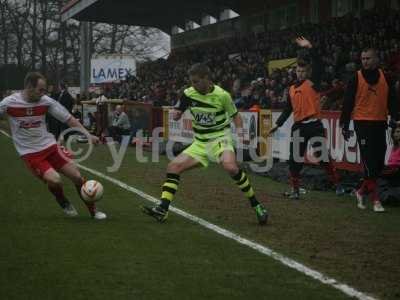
[[45, 255]]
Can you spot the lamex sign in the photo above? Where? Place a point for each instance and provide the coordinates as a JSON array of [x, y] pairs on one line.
[[112, 68]]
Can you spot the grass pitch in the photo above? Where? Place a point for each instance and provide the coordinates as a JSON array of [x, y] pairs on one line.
[[46, 255]]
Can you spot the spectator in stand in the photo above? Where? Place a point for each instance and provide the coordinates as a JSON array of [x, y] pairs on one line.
[[339, 43], [66, 100], [333, 96], [92, 123], [53, 124], [265, 102], [391, 191], [276, 102], [77, 114], [120, 124], [394, 157]]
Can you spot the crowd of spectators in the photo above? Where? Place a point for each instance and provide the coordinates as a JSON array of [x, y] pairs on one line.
[[239, 64]]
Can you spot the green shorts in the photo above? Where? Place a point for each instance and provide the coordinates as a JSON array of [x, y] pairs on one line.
[[204, 152]]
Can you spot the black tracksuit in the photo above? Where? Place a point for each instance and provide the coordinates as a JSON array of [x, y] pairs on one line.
[[371, 135]]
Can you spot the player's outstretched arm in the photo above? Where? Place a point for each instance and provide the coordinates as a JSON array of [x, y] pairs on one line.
[[272, 130], [3, 106], [287, 111], [74, 123]]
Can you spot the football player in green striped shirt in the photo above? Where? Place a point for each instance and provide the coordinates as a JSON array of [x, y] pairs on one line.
[[213, 111]]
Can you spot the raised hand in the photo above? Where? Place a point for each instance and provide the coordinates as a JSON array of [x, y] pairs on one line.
[[301, 41]]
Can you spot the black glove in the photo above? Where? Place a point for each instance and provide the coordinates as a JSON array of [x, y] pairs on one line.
[[393, 124], [346, 134]]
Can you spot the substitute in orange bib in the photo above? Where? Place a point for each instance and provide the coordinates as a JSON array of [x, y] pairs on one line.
[[369, 99], [304, 101]]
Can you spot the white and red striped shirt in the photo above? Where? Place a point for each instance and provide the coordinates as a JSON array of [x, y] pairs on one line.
[[28, 121]]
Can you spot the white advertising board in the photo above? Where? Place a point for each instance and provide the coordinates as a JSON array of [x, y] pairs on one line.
[[112, 68]]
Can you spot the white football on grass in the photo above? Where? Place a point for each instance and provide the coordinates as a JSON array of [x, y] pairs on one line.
[[92, 191]]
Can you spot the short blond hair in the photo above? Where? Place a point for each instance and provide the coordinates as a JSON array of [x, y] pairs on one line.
[[32, 78]]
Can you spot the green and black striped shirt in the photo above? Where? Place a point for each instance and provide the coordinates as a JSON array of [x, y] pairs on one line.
[[212, 113]]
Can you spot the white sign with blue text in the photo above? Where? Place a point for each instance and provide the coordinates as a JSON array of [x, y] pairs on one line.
[[112, 68]]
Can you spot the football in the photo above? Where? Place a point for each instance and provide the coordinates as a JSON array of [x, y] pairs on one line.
[[92, 191]]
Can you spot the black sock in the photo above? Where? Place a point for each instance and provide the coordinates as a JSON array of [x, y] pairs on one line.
[[169, 189], [244, 184], [253, 202], [165, 204]]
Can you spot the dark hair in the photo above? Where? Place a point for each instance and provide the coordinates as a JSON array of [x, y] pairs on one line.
[[32, 78], [201, 70], [302, 63], [372, 49], [63, 85]]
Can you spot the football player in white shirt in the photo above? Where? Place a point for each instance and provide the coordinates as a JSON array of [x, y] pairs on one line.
[[37, 147]]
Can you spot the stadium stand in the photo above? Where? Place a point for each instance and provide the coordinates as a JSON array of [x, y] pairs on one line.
[[244, 74]]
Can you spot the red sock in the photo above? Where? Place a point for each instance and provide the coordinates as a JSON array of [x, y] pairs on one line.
[[332, 174], [58, 192], [369, 185], [362, 188], [90, 206], [365, 186], [374, 190]]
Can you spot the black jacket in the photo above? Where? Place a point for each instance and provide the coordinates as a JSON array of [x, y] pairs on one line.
[[66, 100]]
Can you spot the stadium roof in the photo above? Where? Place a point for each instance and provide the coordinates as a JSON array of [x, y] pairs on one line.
[[160, 14]]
